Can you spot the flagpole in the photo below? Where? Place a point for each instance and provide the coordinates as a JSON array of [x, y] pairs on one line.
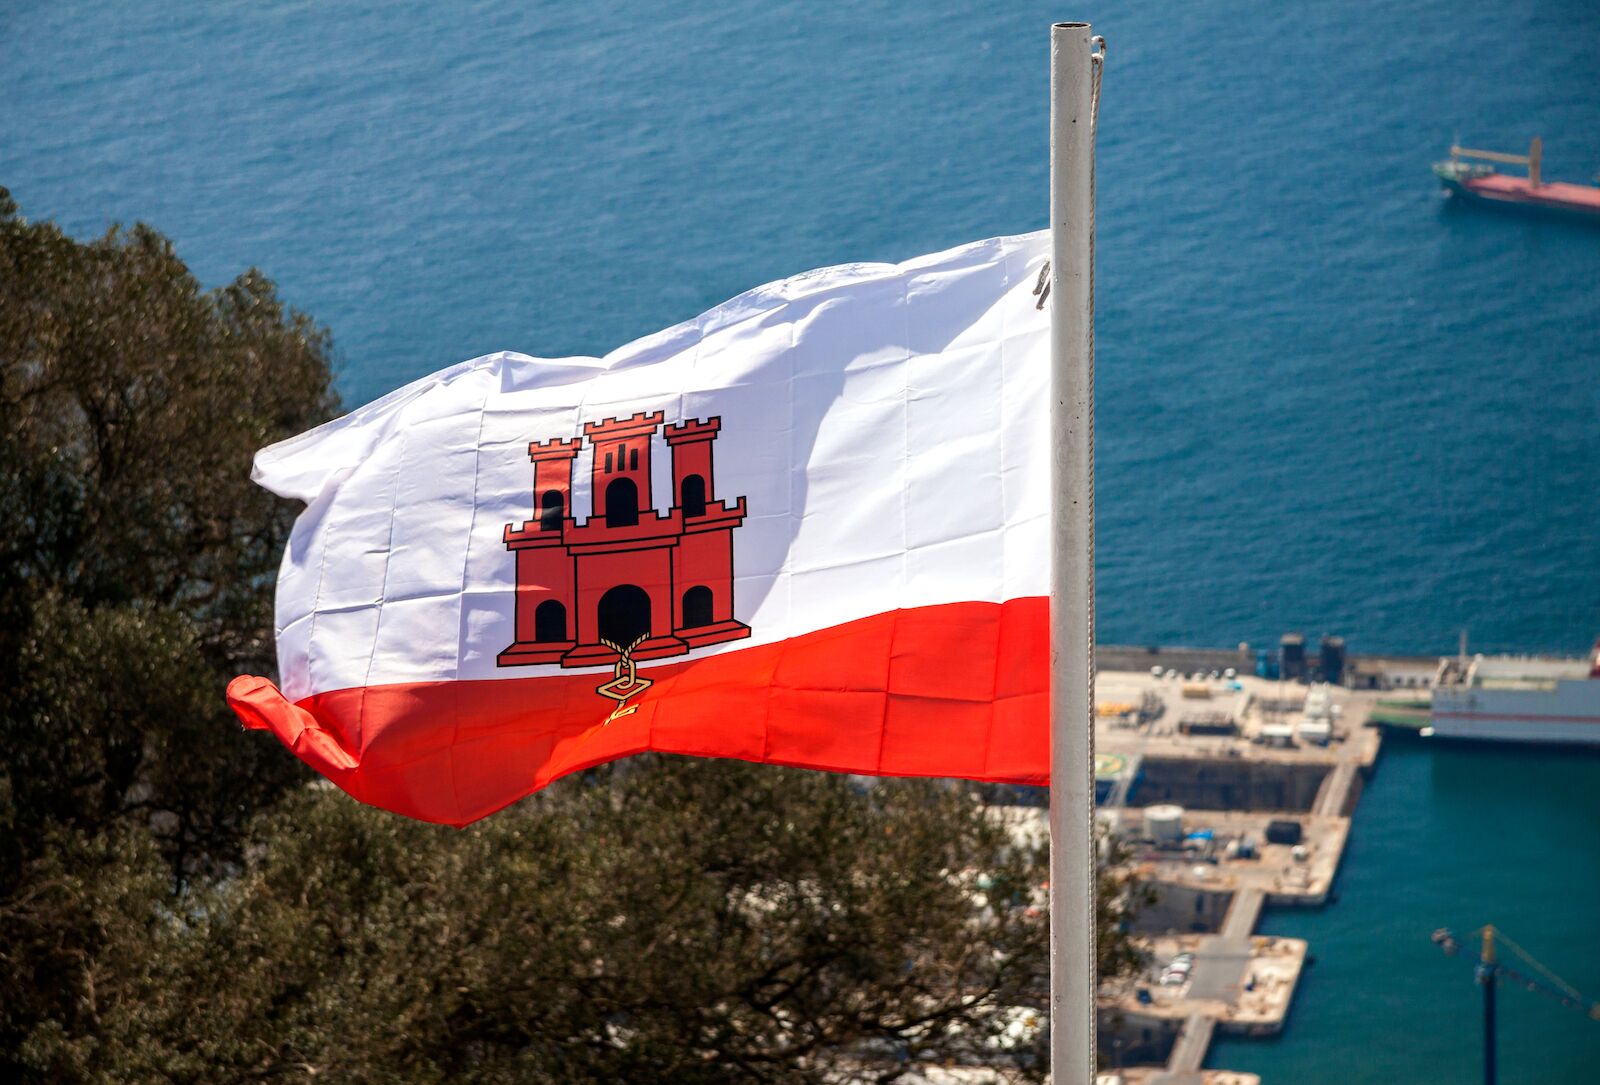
[[1072, 842]]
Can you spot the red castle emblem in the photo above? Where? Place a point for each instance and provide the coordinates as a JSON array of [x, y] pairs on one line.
[[629, 583]]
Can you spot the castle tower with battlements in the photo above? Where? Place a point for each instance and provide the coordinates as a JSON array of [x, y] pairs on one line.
[[629, 574]]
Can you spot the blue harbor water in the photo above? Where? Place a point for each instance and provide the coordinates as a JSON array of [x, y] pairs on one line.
[[1327, 399], [1447, 835]]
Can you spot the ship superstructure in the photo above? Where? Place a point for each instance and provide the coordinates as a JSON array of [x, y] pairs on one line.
[[1519, 699]]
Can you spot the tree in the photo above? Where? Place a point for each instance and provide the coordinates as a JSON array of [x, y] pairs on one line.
[[677, 920], [180, 902], [135, 576], [136, 557]]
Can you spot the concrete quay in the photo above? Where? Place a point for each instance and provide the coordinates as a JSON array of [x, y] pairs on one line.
[[1141, 1075], [1275, 874], [1238, 984], [1362, 671], [1225, 796]]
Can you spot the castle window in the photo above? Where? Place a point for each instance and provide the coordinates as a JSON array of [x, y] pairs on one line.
[[633, 459], [624, 614], [693, 496], [550, 622], [622, 502], [552, 508], [696, 607], [608, 463]]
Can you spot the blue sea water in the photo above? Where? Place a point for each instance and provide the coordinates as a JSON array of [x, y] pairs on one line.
[[1447, 835], [1327, 399]]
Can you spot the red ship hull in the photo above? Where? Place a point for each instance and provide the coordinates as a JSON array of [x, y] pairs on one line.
[[1519, 192]]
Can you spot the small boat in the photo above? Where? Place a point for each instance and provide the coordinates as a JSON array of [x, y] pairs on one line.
[[1466, 175]]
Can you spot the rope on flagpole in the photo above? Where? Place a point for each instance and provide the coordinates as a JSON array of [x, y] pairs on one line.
[[1097, 67]]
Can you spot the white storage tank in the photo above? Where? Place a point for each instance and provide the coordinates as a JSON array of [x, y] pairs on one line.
[[1317, 731], [1164, 823], [1277, 734]]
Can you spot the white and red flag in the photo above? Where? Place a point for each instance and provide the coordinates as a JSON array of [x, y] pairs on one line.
[[809, 527]]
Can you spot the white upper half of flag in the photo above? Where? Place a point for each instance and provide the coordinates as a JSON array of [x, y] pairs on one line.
[[887, 426]]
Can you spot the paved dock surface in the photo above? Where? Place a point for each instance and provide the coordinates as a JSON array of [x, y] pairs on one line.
[[1246, 746], [1334, 800], [1285, 877], [1193, 1043], [1243, 914], [1219, 967], [1243, 984], [1149, 1075]]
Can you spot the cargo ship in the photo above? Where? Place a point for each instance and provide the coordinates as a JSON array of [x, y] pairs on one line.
[[1465, 175], [1518, 699]]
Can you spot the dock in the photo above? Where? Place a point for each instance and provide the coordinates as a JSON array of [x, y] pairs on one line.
[[1227, 796], [1145, 1076]]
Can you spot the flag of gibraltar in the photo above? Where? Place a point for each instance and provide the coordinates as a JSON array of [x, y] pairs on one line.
[[809, 527]]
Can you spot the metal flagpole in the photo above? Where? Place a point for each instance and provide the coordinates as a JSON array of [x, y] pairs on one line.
[[1072, 841]]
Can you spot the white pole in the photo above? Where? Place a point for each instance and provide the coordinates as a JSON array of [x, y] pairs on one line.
[[1072, 843]]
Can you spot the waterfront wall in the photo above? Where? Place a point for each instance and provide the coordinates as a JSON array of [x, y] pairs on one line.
[[1230, 785]]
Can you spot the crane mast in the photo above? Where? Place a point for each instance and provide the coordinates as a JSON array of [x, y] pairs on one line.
[[1487, 973]]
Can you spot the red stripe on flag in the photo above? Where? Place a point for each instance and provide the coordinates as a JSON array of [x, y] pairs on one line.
[[953, 690]]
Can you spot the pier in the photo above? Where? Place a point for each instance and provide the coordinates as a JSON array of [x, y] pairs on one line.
[[1227, 794]]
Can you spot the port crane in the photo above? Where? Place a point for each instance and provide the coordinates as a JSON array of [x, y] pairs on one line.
[[1489, 971]]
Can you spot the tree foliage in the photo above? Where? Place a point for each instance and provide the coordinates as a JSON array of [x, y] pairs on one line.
[[671, 921], [179, 902], [136, 562], [136, 557]]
